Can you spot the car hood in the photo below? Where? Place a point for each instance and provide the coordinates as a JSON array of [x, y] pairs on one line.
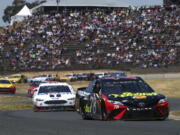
[[55, 96], [33, 88], [137, 99], [6, 85], [14, 79], [40, 78]]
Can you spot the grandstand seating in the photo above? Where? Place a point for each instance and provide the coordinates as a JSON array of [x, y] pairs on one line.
[[99, 38]]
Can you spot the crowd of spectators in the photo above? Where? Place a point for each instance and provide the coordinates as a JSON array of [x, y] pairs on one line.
[[143, 37]]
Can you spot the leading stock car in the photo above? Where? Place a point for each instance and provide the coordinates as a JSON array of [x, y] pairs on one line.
[[126, 98]]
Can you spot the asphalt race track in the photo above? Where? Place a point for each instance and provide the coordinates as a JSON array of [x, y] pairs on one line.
[[27, 122]]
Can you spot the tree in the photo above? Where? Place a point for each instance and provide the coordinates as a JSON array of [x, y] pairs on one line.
[[16, 7]]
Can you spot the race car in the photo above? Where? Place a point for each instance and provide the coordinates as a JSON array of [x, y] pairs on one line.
[[125, 98], [44, 77], [7, 86], [16, 78], [33, 87], [54, 96]]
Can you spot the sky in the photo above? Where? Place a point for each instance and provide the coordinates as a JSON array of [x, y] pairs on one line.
[[3, 5]]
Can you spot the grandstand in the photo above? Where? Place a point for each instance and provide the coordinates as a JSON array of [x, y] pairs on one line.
[[121, 38]]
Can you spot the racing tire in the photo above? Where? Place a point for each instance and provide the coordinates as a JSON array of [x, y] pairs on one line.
[[35, 109], [104, 115], [85, 117], [28, 94], [13, 93], [20, 81], [162, 119]]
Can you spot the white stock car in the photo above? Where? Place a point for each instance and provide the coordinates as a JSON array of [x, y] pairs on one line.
[[54, 96]]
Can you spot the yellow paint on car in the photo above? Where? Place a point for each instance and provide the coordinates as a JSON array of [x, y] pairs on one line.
[[135, 95], [2, 85]]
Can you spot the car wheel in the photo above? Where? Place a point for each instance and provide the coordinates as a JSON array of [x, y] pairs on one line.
[[104, 115], [13, 93], [21, 81], [85, 117], [162, 119], [35, 109]]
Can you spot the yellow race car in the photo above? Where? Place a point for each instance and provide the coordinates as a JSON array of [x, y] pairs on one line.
[[7, 86], [16, 78]]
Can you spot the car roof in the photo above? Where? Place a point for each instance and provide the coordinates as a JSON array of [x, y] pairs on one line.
[[119, 78], [53, 84], [4, 79]]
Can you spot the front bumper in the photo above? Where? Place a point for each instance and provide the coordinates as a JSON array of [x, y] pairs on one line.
[[54, 108], [7, 90], [160, 111], [54, 105]]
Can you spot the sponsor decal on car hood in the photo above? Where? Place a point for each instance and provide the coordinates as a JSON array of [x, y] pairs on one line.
[[134, 95]]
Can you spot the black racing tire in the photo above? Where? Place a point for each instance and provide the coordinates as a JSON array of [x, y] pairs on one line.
[[28, 94], [13, 93], [162, 119], [35, 109], [85, 117], [104, 114]]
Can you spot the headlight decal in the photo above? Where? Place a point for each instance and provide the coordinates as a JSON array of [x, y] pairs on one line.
[[115, 102], [162, 101]]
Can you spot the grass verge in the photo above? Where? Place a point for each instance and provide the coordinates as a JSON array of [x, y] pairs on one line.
[[176, 113], [16, 106], [168, 87], [6, 98]]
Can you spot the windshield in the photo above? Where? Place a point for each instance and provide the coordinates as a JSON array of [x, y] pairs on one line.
[[4, 82], [125, 85], [35, 84], [52, 89], [14, 77], [118, 74]]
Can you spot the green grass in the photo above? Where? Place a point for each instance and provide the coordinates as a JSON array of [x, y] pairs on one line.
[[16, 106], [12, 98]]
